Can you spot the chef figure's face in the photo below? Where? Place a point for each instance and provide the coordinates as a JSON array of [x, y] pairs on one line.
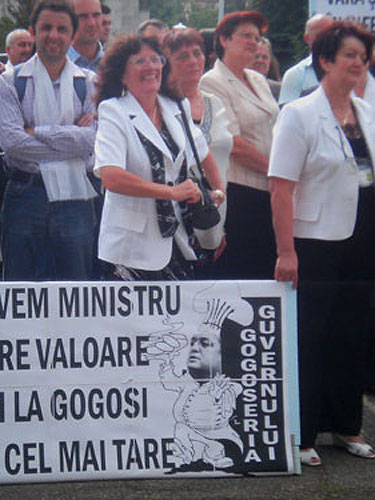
[[204, 359]]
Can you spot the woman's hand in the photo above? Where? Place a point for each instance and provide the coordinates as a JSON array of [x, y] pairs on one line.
[[286, 268], [187, 191], [86, 120], [220, 249], [212, 173], [218, 196], [282, 190]]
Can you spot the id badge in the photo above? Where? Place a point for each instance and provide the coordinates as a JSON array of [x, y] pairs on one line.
[[365, 173]]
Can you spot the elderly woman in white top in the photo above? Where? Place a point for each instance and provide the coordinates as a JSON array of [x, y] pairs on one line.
[[184, 49], [323, 201], [252, 112], [143, 158]]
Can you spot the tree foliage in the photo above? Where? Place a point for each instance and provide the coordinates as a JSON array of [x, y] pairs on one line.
[[202, 16], [20, 11], [19, 17], [234, 5], [6, 25], [191, 13], [287, 19], [287, 24], [168, 11]]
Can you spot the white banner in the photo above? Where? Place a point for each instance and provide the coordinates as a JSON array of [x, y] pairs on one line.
[[130, 380], [362, 11]]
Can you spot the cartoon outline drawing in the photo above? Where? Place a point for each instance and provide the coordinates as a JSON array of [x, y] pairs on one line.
[[206, 401]]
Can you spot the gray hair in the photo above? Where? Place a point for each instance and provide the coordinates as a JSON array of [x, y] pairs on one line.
[[264, 41], [12, 35], [316, 19]]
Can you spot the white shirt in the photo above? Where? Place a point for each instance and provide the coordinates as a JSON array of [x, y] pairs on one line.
[[214, 125], [8, 65], [296, 79]]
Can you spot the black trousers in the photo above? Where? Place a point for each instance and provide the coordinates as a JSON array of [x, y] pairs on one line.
[[335, 308], [250, 251]]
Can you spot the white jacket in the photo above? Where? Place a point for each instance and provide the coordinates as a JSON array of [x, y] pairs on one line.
[[250, 115], [129, 231], [310, 148]]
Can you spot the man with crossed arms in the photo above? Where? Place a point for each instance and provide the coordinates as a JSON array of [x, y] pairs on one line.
[[47, 131]]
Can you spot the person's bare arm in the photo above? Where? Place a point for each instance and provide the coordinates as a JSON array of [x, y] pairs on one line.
[[246, 155], [286, 268], [117, 180]]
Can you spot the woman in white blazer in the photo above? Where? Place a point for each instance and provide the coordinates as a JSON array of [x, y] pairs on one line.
[[143, 159], [323, 201]]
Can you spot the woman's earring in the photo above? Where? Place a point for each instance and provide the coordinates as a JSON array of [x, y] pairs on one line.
[[123, 92]]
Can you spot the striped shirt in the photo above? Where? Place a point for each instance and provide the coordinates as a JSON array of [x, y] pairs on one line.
[[49, 142]]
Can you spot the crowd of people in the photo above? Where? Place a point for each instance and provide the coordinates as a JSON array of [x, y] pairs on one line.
[[102, 140]]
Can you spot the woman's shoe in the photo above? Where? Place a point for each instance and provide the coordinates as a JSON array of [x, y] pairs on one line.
[[357, 448], [309, 457]]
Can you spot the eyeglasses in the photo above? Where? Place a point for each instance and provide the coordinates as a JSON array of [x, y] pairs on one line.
[[248, 36], [184, 56], [154, 61]]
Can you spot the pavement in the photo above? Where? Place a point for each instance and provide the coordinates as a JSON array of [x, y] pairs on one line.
[[341, 476]]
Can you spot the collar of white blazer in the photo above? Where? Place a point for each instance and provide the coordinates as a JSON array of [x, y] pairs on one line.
[[366, 118], [171, 117]]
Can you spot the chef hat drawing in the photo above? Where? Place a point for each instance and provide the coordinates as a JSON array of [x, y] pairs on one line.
[[217, 311]]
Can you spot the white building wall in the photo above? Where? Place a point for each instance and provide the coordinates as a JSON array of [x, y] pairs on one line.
[[126, 15]]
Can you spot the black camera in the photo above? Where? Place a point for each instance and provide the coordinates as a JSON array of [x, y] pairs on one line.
[[204, 213]]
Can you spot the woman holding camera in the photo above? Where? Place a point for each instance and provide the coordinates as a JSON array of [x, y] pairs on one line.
[[144, 160]]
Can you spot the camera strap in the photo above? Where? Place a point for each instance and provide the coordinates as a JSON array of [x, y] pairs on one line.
[[193, 147]]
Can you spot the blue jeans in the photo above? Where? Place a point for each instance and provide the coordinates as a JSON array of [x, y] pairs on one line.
[[42, 240]]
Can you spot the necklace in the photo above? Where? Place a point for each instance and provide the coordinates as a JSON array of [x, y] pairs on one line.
[[346, 116], [155, 116], [344, 120]]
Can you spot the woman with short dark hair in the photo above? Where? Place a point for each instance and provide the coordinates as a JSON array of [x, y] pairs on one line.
[[323, 200]]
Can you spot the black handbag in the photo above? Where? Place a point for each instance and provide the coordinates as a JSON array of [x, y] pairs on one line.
[[205, 214]]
